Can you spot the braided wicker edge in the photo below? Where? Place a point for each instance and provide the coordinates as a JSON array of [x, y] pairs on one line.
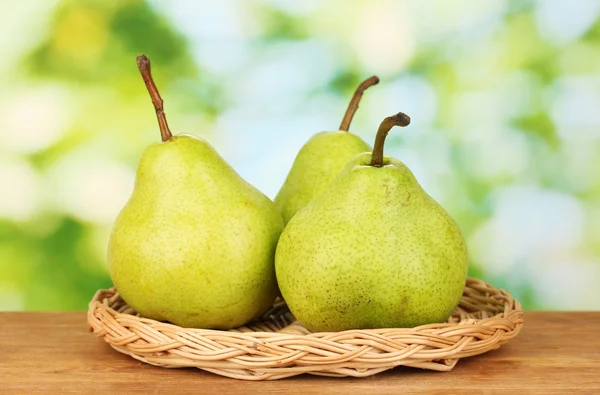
[[278, 346]]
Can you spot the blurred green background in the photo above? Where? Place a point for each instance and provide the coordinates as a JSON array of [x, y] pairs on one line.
[[504, 98]]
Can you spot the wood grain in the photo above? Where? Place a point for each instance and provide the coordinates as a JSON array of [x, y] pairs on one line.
[[54, 353]]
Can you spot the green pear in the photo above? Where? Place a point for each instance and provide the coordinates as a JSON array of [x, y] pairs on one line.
[[195, 243], [373, 250], [321, 159]]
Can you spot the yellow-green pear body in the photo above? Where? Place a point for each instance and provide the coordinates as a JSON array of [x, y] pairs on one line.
[[195, 243], [319, 161], [373, 250]]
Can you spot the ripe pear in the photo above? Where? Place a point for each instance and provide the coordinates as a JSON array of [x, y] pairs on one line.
[[373, 250], [321, 159], [195, 243]]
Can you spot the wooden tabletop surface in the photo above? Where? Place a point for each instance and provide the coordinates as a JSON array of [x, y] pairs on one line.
[[54, 353]]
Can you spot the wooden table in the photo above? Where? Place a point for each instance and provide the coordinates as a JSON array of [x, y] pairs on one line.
[[55, 353]]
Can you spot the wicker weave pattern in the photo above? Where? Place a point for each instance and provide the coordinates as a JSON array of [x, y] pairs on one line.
[[278, 346]]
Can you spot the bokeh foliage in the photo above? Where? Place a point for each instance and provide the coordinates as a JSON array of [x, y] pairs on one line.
[[504, 103]]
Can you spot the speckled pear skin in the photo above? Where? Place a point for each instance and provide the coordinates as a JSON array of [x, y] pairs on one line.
[[195, 243], [372, 251], [319, 161]]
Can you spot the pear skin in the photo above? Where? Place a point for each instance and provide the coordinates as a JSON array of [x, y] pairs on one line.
[[374, 250], [321, 159], [317, 163], [195, 243]]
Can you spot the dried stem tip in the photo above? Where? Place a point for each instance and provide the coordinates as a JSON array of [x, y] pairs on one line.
[[143, 64], [353, 106], [400, 119]]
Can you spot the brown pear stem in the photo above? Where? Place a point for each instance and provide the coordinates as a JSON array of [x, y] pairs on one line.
[[143, 64], [400, 119], [353, 106]]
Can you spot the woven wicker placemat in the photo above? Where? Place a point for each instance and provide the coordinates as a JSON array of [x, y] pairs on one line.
[[277, 346]]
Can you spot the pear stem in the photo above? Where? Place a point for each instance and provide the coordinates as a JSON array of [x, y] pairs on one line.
[[353, 106], [400, 119], [143, 64]]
